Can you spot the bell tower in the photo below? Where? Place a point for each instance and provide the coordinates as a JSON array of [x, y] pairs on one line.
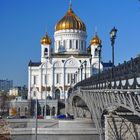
[[45, 48], [95, 44]]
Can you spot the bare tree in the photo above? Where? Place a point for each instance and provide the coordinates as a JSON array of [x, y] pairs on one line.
[[4, 130], [3, 104]]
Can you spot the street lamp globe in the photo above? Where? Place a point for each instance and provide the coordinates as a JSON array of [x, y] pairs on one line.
[[81, 66], [113, 33], [85, 62]]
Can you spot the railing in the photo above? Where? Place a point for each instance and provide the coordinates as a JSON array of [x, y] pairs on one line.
[[126, 71]]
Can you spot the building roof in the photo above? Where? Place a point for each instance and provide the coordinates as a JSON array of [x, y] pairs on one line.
[[34, 64]]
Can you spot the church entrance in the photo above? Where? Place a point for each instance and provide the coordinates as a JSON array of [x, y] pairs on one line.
[[47, 110], [57, 94], [53, 111]]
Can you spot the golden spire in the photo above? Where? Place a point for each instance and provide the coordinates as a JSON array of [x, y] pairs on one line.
[[70, 4], [70, 7]]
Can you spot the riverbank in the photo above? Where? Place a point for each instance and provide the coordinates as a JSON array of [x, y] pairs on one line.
[[52, 126], [51, 129]]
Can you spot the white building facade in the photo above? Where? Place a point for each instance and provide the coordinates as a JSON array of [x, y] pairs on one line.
[[65, 64]]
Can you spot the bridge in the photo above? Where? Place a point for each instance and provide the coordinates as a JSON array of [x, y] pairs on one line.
[[114, 91]]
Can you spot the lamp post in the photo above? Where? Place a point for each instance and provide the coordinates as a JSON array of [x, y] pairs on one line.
[[36, 120], [112, 39], [81, 67], [78, 74], [36, 125], [46, 90], [85, 63], [90, 59], [99, 52]]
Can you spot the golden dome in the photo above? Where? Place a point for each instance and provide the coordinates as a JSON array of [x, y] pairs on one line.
[[46, 40], [70, 21], [95, 40]]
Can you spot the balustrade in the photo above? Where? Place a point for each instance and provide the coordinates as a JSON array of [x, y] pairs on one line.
[[127, 70]]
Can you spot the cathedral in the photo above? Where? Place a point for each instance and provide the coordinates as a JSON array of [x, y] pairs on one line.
[[67, 62]]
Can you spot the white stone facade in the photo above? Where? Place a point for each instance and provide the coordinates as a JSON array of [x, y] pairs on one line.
[[61, 68], [70, 41], [61, 75]]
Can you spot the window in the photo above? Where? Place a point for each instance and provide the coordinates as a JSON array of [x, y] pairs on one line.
[[34, 80], [76, 44], [26, 109], [70, 44], [59, 44], [74, 78], [64, 42], [84, 45], [71, 78], [45, 51], [18, 109], [45, 79], [68, 78], [57, 78], [34, 94], [81, 45], [96, 52]]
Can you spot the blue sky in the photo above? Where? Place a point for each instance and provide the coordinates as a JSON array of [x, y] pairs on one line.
[[24, 22]]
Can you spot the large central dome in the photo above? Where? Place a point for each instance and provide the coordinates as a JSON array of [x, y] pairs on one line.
[[70, 21]]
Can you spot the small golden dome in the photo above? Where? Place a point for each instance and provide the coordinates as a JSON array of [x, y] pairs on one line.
[[46, 40], [95, 40], [70, 21]]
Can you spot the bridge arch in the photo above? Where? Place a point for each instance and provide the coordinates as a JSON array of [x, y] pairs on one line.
[[94, 114], [98, 101]]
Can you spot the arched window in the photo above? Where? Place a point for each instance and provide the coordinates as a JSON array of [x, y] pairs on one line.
[[96, 52], [26, 109], [34, 79], [59, 44], [34, 94], [58, 78], [45, 79], [47, 110], [64, 43], [53, 111], [76, 44], [68, 78], [70, 44], [82, 45], [19, 110], [46, 51]]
